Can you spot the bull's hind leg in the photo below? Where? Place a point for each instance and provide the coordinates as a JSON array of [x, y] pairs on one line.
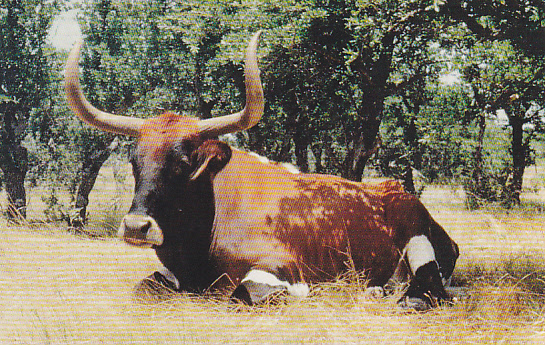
[[426, 287], [258, 286]]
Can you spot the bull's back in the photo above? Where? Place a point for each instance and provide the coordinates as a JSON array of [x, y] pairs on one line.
[[321, 225]]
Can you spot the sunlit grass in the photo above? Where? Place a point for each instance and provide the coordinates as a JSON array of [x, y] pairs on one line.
[[58, 287]]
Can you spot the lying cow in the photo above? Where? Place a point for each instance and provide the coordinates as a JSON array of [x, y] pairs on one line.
[[218, 217]]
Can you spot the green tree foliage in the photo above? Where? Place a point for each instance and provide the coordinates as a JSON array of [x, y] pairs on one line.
[[307, 93], [503, 62], [201, 46], [341, 78], [520, 22], [503, 80], [115, 71], [24, 88], [326, 90], [426, 136], [143, 58], [392, 48]]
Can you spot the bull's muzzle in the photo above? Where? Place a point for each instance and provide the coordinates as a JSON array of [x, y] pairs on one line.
[[140, 230]]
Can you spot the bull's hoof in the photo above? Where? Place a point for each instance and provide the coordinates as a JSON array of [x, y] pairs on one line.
[[241, 295], [154, 288], [418, 304], [458, 293], [374, 292]]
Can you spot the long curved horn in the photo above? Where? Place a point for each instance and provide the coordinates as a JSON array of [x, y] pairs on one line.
[[252, 112], [85, 111]]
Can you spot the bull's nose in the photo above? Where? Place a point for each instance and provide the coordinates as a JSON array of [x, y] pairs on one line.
[[137, 225], [140, 230]]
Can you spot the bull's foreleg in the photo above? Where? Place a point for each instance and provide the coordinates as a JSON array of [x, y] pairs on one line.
[[159, 283], [426, 287], [258, 286]]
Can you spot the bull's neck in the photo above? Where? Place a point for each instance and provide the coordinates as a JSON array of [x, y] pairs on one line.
[[186, 253]]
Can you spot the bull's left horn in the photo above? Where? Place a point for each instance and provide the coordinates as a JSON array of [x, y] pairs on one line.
[[252, 112], [85, 111]]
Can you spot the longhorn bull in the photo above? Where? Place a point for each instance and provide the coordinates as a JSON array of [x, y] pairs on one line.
[[218, 217]]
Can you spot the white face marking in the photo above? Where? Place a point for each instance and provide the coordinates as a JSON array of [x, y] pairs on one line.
[[419, 252], [170, 277], [262, 277]]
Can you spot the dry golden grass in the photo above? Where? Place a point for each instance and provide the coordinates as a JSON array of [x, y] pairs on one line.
[[61, 288]]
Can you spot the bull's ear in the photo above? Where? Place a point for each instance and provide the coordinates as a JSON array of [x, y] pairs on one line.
[[211, 156]]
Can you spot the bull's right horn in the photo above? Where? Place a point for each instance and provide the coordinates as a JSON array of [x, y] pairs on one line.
[[85, 111], [252, 112]]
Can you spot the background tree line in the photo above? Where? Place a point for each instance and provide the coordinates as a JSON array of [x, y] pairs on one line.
[[348, 84]]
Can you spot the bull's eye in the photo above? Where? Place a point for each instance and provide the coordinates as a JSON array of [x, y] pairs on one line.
[[180, 162], [177, 170], [180, 167], [185, 159]]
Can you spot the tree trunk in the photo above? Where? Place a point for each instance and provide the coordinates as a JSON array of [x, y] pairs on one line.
[[283, 155], [518, 153], [408, 180], [15, 166], [358, 157], [415, 159], [478, 168], [89, 173], [317, 152], [301, 147], [374, 80], [358, 160], [478, 189]]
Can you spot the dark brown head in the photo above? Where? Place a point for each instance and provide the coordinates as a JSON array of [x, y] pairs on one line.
[[172, 154]]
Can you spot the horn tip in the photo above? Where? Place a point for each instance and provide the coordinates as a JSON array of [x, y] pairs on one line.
[[256, 36], [75, 52], [78, 44]]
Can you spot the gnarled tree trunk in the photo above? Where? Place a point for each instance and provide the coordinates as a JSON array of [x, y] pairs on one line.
[[518, 154], [14, 165], [89, 173]]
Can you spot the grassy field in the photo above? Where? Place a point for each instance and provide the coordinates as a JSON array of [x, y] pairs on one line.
[[62, 288]]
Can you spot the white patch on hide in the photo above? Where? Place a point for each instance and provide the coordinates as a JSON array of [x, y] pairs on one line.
[[264, 160], [262, 277], [291, 168], [260, 158], [419, 252]]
